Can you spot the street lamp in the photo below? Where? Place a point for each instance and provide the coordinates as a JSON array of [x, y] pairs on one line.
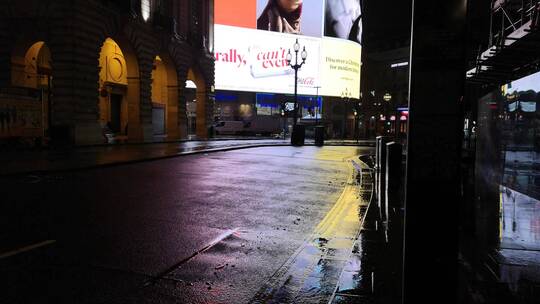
[[346, 95], [296, 66], [355, 112], [318, 108]]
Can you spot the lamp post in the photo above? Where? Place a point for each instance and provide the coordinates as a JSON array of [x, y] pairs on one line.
[[296, 66], [355, 112], [387, 97], [346, 95], [318, 108]]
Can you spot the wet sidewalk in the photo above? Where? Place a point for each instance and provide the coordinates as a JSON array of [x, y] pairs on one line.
[[346, 258], [44, 160]]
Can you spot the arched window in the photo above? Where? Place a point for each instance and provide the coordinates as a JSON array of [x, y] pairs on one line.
[[146, 9]]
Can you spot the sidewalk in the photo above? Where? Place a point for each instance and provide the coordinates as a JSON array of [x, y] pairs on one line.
[[21, 162], [25, 162]]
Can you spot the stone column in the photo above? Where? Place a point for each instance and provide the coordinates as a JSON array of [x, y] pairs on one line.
[[202, 114], [75, 77], [172, 112], [5, 48]]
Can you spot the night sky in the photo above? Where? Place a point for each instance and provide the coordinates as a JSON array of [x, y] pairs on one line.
[[386, 21]]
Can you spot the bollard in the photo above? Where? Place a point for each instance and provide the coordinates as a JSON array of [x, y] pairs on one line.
[[377, 166], [393, 179], [381, 181], [319, 136], [298, 135], [377, 144]]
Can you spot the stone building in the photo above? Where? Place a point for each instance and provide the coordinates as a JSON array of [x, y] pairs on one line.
[[75, 71]]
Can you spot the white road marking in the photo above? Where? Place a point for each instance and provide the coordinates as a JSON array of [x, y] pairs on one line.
[[27, 248]]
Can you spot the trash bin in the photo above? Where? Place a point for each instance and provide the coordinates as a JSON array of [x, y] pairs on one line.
[[298, 135], [60, 135], [319, 136]]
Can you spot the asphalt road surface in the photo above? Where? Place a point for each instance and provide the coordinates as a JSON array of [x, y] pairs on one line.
[[208, 228]]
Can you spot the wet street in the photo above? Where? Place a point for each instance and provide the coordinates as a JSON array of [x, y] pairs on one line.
[[259, 225]]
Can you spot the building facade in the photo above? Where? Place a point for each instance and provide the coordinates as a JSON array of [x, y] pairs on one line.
[[96, 71], [385, 91]]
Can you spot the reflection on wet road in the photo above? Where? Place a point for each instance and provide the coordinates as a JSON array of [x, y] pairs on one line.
[[207, 228], [325, 264], [520, 224], [520, 240]]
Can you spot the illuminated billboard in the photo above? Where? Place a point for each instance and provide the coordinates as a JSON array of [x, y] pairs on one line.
[[252, 38], [343, 19], [257, 62], [316, 18], [291, 16], [340, 67]]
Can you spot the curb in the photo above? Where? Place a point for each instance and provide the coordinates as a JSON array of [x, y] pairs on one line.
[[135, 161], [155, 158]]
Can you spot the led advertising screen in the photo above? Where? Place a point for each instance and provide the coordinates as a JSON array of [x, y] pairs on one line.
[[291, 16], [257, 62], [252, 38], [340, 67], [317, 18], [241, 13], [343, 19]]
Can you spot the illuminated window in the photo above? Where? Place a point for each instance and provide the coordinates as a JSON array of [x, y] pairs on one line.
[[145, 9]]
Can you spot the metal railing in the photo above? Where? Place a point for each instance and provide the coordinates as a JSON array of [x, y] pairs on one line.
[[507, 16]]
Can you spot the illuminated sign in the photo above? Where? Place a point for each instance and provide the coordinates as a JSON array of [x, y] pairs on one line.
[[340, 67], [289, 106], [255, 61], [331, 18], [252, 38], [400, 64], [290, 17], [252, 60]]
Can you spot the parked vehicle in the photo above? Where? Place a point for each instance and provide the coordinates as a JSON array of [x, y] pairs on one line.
[[231, 127], [264, 125]]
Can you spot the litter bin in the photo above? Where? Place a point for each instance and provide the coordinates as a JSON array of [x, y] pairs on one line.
[[298, 135], [319, 136], [60, 135]]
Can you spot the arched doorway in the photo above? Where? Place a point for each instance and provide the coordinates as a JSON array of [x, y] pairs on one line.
[[28, 112], [164, 98], [119, 98], [196, 93], [190, 93]]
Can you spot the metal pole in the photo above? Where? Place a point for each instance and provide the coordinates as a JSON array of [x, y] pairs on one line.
[[317, 111], [295, 67], [49, 107], [356, 126]]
